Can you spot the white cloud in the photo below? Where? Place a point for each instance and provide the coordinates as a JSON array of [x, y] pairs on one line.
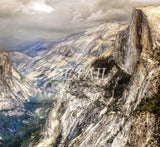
[[38, 6], [26, 20], [97, 10], [23, 6]]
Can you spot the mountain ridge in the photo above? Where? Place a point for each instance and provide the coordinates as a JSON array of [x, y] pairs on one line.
[[78, 118], [119, 110]]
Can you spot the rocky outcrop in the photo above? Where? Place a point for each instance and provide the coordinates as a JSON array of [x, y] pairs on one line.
[[20, 61], [17, 94], [6, 83], [141, 38], [118, 107], [118, 111], [83, 48], [5, 69]]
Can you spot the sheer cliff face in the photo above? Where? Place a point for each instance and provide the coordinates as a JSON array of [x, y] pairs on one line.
[[5, 69], [6, 82], [14, 94], [141, 37], [121, 110], [12, 90]]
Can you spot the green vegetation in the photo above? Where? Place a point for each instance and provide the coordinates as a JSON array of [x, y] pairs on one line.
[[120, 129], [32, 131], [114, 107], [27, 132], [53, 83], [97, 103], [110, 140], [58, 140], [151, 105], [32, 135], [27, 127]]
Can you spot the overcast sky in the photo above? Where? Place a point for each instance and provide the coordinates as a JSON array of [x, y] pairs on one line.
[[28, 20]]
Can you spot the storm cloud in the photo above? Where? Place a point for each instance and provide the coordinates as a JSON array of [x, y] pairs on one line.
[[29, 20]]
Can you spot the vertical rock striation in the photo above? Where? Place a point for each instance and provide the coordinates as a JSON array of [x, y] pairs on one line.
[[14, 99], [122, 110], [5, 69], [141, 37]]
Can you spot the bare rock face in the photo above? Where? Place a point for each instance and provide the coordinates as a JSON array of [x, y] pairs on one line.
[[6, 82], [141, 38], [9, 86], [123, 109], [20, 61], [119, 110], [5, 69], [14, 94]]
